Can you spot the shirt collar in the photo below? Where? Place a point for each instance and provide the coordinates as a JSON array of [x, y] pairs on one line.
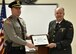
[[59, 21]]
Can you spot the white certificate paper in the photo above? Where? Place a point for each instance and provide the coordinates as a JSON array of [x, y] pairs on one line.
[[40, 40]]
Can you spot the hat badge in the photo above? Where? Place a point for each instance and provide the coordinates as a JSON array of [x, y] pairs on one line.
[[18, 3]]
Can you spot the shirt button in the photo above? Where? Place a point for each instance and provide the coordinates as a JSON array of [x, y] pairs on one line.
[[54, 31], [52, 39], [53, 35], [64, 49]]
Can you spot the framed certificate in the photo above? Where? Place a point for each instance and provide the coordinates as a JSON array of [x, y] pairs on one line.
[[40, 40]]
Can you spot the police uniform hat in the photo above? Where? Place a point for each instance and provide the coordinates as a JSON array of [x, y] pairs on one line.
[[15, 4]]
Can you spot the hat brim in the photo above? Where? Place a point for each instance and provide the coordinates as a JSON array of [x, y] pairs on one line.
[[17, 6]]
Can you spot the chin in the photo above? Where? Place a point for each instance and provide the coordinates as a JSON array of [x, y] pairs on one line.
[[59, 18]]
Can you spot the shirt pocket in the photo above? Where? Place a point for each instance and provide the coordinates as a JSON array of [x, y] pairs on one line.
[[62, 30], [17, 28]]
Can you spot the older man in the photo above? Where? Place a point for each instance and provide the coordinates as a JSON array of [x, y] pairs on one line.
[[60, 34]]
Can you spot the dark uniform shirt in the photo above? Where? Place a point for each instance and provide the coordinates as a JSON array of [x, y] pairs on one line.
[[62, 35]]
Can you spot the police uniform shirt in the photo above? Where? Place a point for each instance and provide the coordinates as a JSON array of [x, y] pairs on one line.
[[12, 31]]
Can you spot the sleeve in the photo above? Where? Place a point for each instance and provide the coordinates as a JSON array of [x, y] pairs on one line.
[[50, 31], [10, 33], [49, 28], [68, 37]]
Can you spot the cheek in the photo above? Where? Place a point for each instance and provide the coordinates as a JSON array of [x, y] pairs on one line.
[[57, 16], [18, 11], [62, 15], [15, 11]]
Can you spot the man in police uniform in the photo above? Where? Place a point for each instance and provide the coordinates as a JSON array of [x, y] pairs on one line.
[[15, 31], [60, 34]]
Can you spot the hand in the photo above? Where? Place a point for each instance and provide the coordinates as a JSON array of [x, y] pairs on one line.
[[36, 48], [51, 45], [30, 45]]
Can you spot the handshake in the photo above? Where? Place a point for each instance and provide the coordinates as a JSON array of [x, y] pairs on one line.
[[29, 42]]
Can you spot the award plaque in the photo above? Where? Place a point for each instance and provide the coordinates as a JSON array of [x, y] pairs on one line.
[[40, 39]]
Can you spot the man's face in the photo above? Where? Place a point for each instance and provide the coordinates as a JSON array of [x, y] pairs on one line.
[[59, 14], [16, 11]]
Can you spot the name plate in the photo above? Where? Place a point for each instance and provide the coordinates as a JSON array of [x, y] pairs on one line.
[[40, 39]]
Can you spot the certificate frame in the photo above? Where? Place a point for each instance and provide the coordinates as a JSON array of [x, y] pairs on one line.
[[39, 40]]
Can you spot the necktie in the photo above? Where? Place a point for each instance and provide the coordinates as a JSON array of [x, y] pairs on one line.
[[22, 28], [57, 26]]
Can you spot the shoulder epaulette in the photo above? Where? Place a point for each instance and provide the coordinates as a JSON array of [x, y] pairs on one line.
[[7, 21]]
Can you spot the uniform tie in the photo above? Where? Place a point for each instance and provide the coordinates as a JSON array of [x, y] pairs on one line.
[[57, 26], [22, 28]]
